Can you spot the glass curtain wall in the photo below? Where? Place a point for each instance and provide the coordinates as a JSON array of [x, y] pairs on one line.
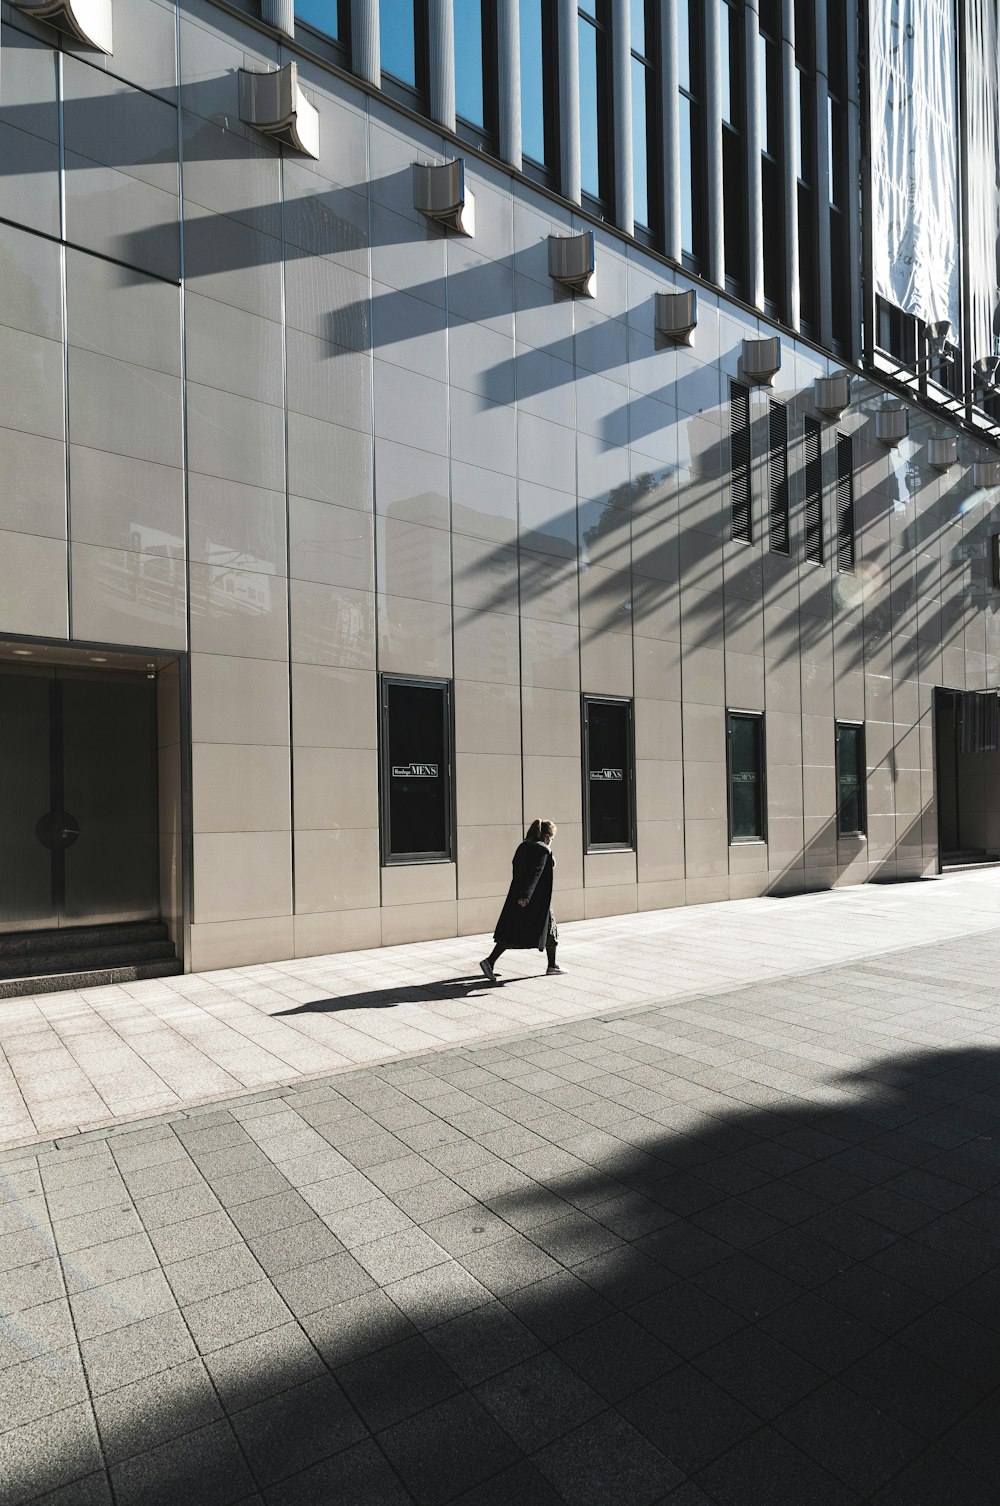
[[734, 172], [595, 113], [840, 250], [475, 63], [645, 156], [691, 86], [770, 116], [327, 16], [538, 134], [806, 165], [403, 42]]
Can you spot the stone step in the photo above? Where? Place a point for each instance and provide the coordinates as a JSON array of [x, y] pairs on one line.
[[83, 959], [79, 938], [15, 988]]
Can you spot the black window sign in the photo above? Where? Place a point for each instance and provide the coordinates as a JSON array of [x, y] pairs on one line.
[[746, 777], [416, 763], [607, 728]]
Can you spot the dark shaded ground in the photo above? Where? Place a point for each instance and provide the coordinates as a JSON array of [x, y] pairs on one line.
[[646, 1258]]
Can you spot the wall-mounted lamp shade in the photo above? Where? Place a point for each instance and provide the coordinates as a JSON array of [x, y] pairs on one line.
[[440, 193], [986, 473], [938, 335], [942, 453], [88, 21], [892, 424], [274, 104], [985, 370], [280, 14], [676, 316], [832, 394], [573, 262], [761, 361]]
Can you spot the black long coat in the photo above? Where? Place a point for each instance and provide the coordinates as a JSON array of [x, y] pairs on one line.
[[528, 927]]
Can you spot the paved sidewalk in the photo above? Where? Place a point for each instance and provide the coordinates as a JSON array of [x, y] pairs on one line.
[[73, 1061], [738, 1250]]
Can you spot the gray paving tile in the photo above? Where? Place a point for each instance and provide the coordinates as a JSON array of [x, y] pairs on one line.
[[347, 1330], [297, 1245], [397, 1382], [86, 1229], [207, 1275], [39, 1386], [28, 1285], [106, 1308], [449, 1448], [262, 1365], [37, 1330], [194, 1236], [508, 1264], [399, 1254], [206, 1465], [163, 1176], [268, 1214], [374, 1219], [137, 1417], [227, 1317], [539, 1400], [321, 1283], [358, 1476], [133, 1353], [51, 1452], [442, 1291], [296, 1428]]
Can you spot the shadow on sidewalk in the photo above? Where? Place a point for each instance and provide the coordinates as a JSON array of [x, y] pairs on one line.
[[387, 998], [791, 1307]]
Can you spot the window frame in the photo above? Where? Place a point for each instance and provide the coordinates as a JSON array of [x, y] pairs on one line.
[[468, 130], [389, 858], [600, 21], [737, 713], [414, 95], [342, 41], [588, 699], [692, 95], [862, 785], [546, 172], [648, 231]]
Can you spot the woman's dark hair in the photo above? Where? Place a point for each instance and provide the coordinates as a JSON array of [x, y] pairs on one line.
[[538, 831]]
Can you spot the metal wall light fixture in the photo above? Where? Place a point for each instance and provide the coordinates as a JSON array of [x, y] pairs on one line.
[[986, 474], [675, 316], [86, 21], [942, 452], [573, 262], [832, 394], [760, 361], [892, 424], [274, 104], [439, 192]]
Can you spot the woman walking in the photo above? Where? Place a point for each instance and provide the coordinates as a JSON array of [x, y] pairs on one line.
[[526, 920]]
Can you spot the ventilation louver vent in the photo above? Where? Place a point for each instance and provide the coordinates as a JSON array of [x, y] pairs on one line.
[[274, 104], [440, 193], [845, 502], [812, 448], [777, 475], [573, 262], [761, 361], [739, 439], [676, 316]]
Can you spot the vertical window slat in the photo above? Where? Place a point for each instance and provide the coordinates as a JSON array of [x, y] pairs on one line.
[[777, 471], [845, 502], [814, 492], [739, 437]]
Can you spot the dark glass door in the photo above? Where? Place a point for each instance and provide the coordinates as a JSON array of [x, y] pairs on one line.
[[78, 799]]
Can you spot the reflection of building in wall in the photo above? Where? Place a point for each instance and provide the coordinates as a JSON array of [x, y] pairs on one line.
[[384, 455]]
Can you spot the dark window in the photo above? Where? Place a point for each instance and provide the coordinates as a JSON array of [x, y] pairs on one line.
[[475, 65], [845, 502], [691, 80], [746, 777], [839, 170], [814, 491], [896, 333], [403, 41], [770, 114], [645, 155], [607, 768], [734, 165], [537, 75], [739, 440], [416, 769], [777, 477], [806, 169], [595, 115], [327, 16], [850, 779]]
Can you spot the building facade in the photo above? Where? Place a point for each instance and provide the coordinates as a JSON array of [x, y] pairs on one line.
[[417, 417]]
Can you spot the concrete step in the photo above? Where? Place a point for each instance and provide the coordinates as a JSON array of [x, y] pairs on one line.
[[15, 988]]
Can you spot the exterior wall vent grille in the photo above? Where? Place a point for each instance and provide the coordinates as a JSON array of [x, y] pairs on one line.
[[573, 262], [274, 104], [814, 491], [845, 502], [440, 193], [777, 472], [739, 439], [676, 316]]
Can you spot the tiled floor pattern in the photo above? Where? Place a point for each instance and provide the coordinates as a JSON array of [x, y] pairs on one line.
[[734, 1251], [76, 1060]]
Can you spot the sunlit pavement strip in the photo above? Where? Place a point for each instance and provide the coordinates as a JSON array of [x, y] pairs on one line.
[[75, 1061], [738, 1249]]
